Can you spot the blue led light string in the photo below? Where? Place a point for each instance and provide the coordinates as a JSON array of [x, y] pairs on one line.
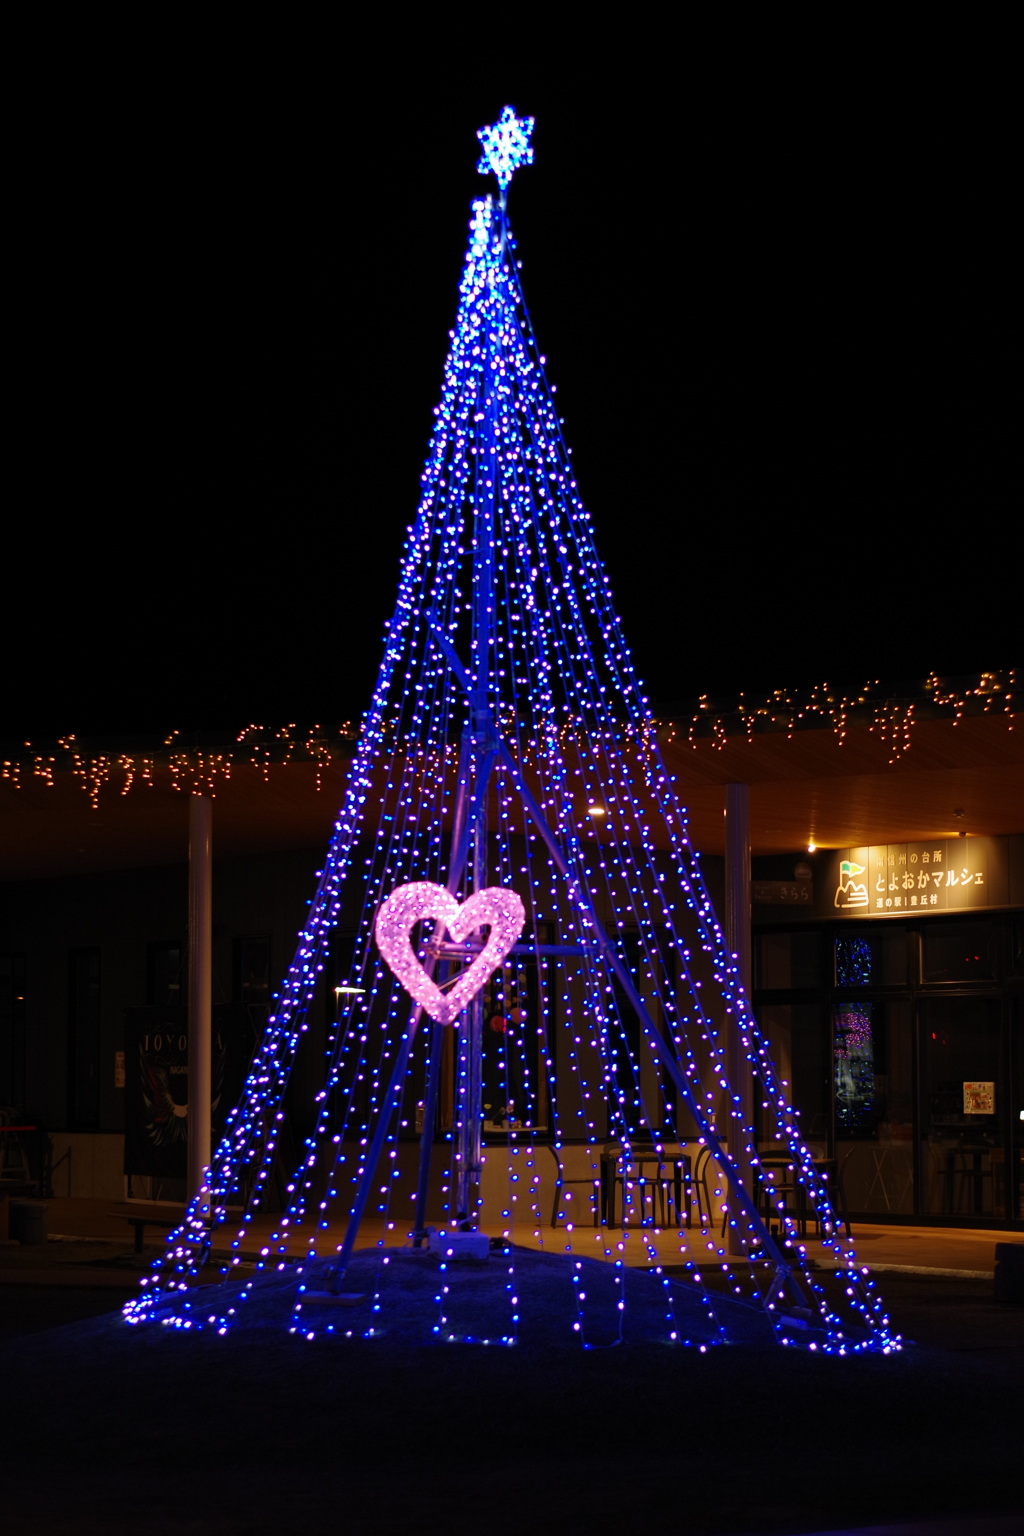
[[533, 910], [505, 652], [596, 580], [247, 1126], [442, 1327], [649, 954], [575, 1074], [401, 838], [574, 1069], [297, 1210], [642, 925], [762, 1066], [399, 601], [649, 960], [505, 876], [565, 693], [640, 916]]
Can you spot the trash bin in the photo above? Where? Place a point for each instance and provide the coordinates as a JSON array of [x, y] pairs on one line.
[[1009, 1272], [28, 1221]]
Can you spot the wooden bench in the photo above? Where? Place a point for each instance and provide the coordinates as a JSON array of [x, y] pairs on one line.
[[140, 1223]]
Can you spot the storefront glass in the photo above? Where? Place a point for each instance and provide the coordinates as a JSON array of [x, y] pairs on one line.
[[959, 952], [963, 1159], [903, 1045], [875, 957], [1017, 1114], [872, 1075], [786, 961], [798, 1036]]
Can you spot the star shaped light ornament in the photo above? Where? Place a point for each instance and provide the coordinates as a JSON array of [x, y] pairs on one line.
[[506, 146]]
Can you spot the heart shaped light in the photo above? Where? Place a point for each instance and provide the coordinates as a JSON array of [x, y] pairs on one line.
[[495, 907]]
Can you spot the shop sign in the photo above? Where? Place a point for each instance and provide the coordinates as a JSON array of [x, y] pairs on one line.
[[782, 893], [957, 874]]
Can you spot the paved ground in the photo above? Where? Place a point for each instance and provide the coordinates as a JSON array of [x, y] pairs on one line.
[[113, 1431], [963, 1251]]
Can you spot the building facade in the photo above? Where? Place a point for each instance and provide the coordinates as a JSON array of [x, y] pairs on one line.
[[887, 916]]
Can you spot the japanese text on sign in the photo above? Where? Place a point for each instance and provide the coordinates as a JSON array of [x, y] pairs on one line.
[[898, 879]]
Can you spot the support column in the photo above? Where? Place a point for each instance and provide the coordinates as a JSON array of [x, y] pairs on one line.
[[738, 939], [471, 1039], [200, 987]]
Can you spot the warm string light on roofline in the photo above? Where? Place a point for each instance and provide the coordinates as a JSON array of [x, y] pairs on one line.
[[195, 770], [198, 771], [892, 715], [613, 1009]]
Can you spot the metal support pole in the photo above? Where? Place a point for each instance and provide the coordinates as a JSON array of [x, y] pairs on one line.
[[457, 858], [469, 1149], [427, 1135], [471, 1031], [737, 936], [200, 988]]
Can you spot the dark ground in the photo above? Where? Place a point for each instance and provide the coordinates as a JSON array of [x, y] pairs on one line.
[[114, 1431]]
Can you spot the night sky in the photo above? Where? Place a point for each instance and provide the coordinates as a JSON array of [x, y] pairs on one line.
[[779, 332]]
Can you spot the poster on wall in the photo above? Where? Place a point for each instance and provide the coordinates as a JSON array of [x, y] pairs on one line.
[[957, 874], [156, 1104], [979, 1098]]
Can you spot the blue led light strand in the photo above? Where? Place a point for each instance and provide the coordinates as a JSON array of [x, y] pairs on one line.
[[505, 636]]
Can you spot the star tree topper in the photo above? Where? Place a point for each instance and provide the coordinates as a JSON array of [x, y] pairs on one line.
[[506, 146]]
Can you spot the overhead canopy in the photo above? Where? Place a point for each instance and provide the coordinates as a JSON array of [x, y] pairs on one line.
[[810, 786]]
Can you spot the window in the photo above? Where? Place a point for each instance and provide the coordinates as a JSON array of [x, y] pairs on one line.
[[958, 952], [787, 961], [875, 957], [165, 974], [12, 1030], [84, 1038], [798, 1039]]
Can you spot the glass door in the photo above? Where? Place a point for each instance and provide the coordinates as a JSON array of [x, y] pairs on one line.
[[963, 1109], [873, 1088], [873, 1071], [1017, 1111]]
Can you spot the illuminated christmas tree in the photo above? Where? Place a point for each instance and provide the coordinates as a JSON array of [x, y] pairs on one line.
[[508, 759]]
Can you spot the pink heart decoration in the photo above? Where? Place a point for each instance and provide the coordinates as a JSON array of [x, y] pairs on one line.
[[497, 908]]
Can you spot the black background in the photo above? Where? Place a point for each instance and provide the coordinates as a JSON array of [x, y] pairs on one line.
[[776, 303]]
